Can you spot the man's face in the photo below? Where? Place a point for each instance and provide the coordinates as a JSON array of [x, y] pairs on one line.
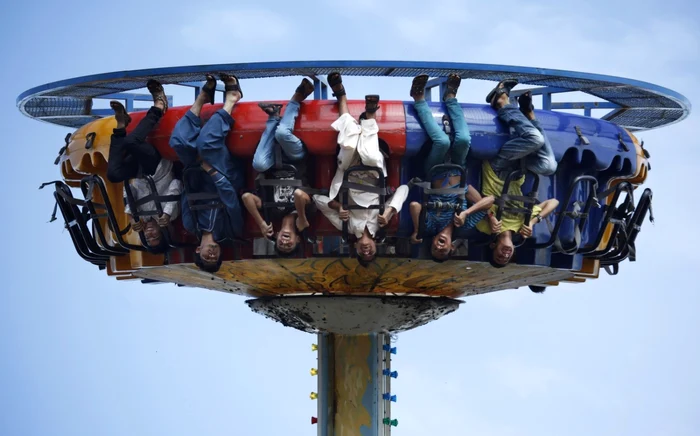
[[503, 251], [153, 234], [366, 248], [287, 240], [441, 247], [209, 252]]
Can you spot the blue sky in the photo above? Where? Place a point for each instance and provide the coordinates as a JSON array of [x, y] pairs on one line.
[[82, 354]]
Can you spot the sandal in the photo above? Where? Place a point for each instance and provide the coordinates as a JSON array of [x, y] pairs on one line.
[[231, 86], [335, 79], [418, 86], [371, 105], [158, 93], [525, 102], [305, 88], [120, 111], [503, 87], [451, 85], [210, 88], [272, 109]]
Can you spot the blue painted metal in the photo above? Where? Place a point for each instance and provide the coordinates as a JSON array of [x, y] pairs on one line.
[[647, 105]]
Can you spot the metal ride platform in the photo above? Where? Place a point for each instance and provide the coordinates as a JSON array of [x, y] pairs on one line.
[[633, 104], [354, 311]]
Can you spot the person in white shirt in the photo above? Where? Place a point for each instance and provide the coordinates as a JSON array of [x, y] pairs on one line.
[[359, 145], [166, 185]]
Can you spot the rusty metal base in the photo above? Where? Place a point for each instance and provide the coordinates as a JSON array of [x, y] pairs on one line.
[[349, 315]]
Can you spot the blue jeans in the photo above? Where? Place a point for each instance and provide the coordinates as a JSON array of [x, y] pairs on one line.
[[189, 140], [440, 140], [280, 131], [529, 143]]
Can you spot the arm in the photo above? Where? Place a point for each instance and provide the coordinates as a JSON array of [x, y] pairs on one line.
[[547, 207], [416, 209], [301, 200], [329, 209], [171, 208], [253, 204], [229, 197], [343, 214], [127, 209]]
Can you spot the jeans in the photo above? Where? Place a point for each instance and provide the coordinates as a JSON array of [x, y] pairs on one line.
[[440, 140], [129, 155], [189, 140], [279, 131], [529, 144]]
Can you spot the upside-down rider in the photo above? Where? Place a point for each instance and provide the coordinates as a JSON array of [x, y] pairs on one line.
[[445, 225], [206, 147], [290, 221], [528, 148], [131, 158], [359, 144]]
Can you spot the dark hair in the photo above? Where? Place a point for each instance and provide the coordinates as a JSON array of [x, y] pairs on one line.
[[208, 267], [291, 253], [365, 263], [537, 289], [162, 247], [438, 260], [489, 257]]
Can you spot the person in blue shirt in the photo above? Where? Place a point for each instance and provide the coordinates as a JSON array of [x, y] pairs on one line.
[[206, 147], [445, 225]]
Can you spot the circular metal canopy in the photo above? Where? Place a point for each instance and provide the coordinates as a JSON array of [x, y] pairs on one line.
[[638, 105]]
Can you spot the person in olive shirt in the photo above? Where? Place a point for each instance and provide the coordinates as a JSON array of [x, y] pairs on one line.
[[528, 147]]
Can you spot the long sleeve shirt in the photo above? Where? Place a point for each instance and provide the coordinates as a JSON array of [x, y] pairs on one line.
[[166, 185]]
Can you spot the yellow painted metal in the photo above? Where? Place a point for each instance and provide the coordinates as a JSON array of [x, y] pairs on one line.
[[352, 378], [344, 276]]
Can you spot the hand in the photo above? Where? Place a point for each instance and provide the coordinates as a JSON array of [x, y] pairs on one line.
[[496, 225], [205, 166], [525, 231], [459, 219], [384, 218], [414, 238], [343, 214], [136, 226], [266, 230], [163, 220]]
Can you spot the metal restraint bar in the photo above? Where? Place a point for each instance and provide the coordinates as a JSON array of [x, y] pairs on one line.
[[508, 203], [625, 245], [75, 223], [87, 186], [614, 215], [427, 190], [578, 214], [380, 190], [157, 212]]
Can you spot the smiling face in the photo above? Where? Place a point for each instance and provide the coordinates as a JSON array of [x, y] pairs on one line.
[[503, 249], [366, 248], [153, 233], [209, 252]]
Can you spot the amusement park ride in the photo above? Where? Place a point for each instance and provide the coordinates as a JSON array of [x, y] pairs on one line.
[[353, 309]]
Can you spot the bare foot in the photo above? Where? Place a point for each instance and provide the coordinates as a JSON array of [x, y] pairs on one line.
[[500, 101]]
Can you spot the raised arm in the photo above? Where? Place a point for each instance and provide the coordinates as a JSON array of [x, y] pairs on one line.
[[229, 197], [415, 209], [253, 204]]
